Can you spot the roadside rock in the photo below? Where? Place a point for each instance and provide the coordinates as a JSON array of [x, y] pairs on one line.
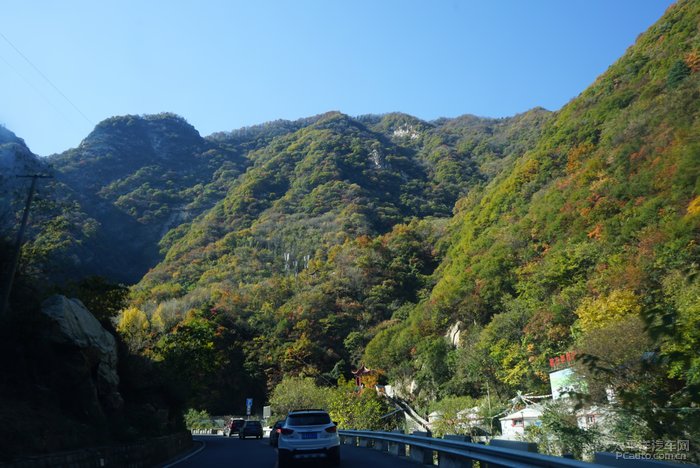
[[89, 353]]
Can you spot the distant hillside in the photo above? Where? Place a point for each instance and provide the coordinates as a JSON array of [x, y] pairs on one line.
[[330, 181]]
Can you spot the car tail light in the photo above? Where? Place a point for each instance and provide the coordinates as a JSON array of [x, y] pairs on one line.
[[286, 431], [332, 429]]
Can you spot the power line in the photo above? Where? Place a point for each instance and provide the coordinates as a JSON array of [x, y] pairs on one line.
[[37, 90], [46, 79]]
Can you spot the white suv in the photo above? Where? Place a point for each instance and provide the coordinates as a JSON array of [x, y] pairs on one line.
[[308, 434]]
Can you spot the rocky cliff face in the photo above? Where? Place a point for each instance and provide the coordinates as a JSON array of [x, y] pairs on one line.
[[68, 382]]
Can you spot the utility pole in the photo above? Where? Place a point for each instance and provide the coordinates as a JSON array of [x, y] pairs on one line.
[[488, 398], [14, 260]]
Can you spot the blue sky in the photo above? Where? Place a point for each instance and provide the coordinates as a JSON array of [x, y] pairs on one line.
[[227, 64]]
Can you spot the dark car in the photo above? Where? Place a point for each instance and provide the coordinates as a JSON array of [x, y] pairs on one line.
[[275, 433], [233, 426], [251, 428]]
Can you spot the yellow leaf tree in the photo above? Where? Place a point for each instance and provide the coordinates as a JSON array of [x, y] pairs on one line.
[[134, 327], [596, 313]]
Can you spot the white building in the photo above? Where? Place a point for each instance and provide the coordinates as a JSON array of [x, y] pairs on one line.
[[513, 425]]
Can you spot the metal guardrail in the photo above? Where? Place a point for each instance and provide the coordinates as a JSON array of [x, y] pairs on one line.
[[454, 453]]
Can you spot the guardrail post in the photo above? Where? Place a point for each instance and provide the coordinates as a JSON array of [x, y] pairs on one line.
[[396, 448], [419, 454], [380, 445], [348, 440], [364, 441], [445, 460]]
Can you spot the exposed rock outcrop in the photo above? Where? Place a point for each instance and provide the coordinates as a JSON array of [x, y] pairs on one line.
[[454, 334], [90, 354]]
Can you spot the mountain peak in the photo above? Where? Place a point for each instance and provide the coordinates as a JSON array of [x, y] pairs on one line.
[[141, 125], [7, 136], [331, 116]]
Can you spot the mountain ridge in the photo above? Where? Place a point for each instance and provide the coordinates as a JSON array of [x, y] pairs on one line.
[[138, 177]]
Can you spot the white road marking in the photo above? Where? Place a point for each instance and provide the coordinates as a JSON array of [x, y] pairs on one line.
[[204, 444]]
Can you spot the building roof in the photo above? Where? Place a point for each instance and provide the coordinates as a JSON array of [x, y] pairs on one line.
[[361, 371], [529, 412]]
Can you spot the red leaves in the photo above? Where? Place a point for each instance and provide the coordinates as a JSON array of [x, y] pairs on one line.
[[596, 232]]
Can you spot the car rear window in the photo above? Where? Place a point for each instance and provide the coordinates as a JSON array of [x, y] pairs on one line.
[[308, 419], [253, 423]]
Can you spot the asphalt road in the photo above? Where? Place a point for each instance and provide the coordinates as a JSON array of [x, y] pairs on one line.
[[220, 451]]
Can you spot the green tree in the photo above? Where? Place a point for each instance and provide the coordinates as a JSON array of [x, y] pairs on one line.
[[353, 409], [677, 73], [193, 354], [297, 393], [453, 415], [682, 346], [197, 419]]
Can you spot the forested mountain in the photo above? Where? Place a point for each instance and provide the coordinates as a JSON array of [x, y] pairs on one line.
[[330, 231], [138, 177], [588, 244], [307, 247]]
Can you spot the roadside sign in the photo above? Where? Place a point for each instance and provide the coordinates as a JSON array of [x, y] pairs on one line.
[[248, 406], [266, 412]]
